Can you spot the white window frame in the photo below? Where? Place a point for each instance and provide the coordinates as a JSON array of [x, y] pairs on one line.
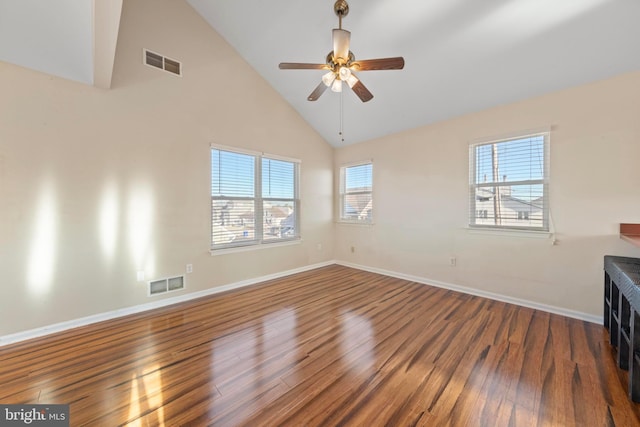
[[343, 194], [473, 186], [259, 200]]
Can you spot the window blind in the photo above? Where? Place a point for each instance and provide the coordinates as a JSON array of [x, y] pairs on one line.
[[232, 174], [278, 178]]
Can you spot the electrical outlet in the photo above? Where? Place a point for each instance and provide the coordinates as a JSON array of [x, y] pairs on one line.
[[189, 268], [453, 261], [140, 275], [319, 246], [353, 249]]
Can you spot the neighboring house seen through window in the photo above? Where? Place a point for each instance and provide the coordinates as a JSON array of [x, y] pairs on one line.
[[356, 193], [254, 199], [509, 183]]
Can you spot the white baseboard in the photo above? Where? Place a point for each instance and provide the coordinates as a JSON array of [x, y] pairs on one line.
[[63, 326], [478, 292]]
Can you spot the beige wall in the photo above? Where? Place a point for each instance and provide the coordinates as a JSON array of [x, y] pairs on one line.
[[421, 198], [96, 185]]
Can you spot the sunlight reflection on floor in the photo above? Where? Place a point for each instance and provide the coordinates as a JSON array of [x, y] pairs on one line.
[[146, 398]]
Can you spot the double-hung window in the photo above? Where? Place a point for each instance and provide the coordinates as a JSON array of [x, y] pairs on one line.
[[356, 193], [509, 183], [254, 198]]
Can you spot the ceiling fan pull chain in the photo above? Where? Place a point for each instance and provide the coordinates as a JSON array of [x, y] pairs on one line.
[[341, 133]]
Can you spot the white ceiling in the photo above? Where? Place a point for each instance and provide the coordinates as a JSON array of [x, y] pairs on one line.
[[54, 37], [461, 55]]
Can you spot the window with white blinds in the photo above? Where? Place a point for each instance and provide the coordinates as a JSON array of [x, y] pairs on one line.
[[509, 183], [356, 193], [254, 199], [279, 199]]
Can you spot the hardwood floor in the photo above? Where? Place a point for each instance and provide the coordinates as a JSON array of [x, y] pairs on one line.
[[333, 346]]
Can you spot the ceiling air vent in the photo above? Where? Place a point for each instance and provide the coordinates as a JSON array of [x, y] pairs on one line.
[[169, 284], [155, 60]]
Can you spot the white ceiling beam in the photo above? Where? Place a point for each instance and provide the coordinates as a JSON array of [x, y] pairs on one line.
[[106, 23]]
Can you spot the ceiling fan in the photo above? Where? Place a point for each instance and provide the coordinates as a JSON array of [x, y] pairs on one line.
[[342, 64]]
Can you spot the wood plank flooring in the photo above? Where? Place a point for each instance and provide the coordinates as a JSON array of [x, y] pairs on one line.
[[330, 347]]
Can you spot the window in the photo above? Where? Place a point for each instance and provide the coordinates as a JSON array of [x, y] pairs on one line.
[[254, 199], [509, 183], [356, 184]]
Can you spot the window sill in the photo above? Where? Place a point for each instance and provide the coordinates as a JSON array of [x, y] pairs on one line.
[[248, 248], [510, 233], [356, 223]]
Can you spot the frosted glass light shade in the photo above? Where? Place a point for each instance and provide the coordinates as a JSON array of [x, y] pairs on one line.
[[344, 73], [328, 78], [336, 86]]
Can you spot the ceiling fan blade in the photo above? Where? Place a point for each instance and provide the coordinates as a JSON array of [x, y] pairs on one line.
[[302, 66], [361, 90], [396, 63], [341, 40], [319, 90]]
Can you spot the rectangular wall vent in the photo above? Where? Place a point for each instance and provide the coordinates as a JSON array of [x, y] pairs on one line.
[[176, 283], [169, 284], [156, 60], [158, 287]]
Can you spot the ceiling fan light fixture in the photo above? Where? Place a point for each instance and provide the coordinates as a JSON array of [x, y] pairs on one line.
[[341, 63], [328, 78], [336, 86]]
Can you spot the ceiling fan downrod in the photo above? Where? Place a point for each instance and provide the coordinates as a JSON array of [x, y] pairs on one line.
[[341, 8]]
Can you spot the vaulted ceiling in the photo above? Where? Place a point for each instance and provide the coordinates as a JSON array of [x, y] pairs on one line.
[[461, 55]]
